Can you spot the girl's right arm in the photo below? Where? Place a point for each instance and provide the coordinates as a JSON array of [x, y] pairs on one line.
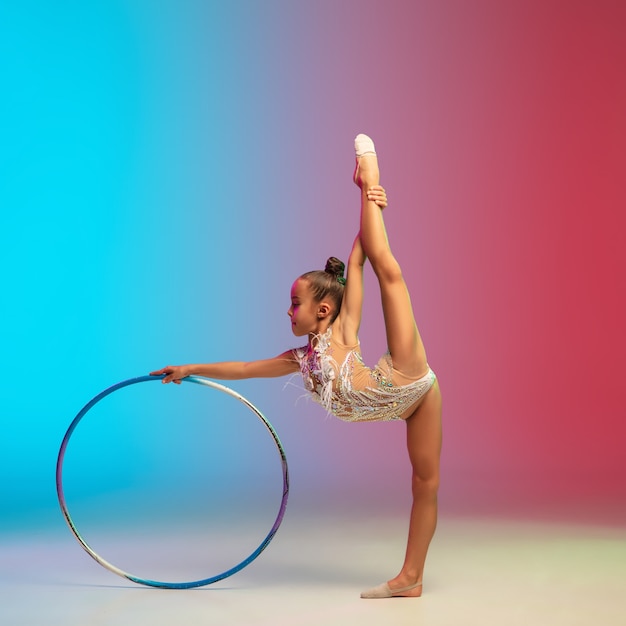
[[280, 365], [349, 318]]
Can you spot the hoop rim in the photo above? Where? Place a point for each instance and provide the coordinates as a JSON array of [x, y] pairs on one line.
[[200, 380]]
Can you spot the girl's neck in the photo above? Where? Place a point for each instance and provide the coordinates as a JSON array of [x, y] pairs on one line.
[[320, 332]]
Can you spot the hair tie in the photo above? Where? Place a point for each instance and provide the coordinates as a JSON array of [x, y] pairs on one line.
[[341, 280]]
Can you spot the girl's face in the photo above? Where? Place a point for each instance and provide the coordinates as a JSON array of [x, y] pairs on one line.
[[303, 310]]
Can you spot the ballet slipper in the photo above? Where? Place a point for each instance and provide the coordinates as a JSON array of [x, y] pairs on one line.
[[385, 591], [363, 146]]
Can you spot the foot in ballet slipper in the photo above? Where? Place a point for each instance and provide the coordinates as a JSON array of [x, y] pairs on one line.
[[385, 591], [363, 145], [366, 161]]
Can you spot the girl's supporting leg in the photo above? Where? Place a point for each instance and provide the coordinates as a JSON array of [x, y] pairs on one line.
[[403, 338], [424, 445]]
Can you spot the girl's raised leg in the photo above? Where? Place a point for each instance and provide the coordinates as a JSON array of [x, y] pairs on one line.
[[403, 338]]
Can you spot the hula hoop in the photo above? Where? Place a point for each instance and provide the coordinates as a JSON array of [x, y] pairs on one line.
[[155, 583]]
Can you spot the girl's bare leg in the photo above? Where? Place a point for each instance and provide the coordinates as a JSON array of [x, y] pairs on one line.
[[403, 339], [424, 445], [407, 350]]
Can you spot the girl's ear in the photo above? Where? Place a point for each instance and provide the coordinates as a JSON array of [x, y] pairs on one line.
[[323, 310]]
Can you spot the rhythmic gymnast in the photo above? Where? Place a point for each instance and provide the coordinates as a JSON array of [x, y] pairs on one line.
[[326, 308]]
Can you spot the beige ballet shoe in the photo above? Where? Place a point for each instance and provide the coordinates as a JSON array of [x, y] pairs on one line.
[[363, 145], [385, 591]]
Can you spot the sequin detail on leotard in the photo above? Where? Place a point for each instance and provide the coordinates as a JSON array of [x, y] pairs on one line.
[[352, 391]]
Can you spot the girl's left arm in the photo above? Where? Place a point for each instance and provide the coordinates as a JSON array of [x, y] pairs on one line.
[[280, 365]]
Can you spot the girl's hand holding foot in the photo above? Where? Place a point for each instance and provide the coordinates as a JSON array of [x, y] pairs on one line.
[[377, 194]]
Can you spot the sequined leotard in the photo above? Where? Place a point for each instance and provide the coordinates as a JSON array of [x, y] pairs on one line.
[[339, 380]]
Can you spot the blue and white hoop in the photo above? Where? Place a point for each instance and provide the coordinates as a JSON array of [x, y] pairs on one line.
[[155, 583]]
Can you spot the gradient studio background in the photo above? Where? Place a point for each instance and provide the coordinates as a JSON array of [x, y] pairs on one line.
[[168, 168]]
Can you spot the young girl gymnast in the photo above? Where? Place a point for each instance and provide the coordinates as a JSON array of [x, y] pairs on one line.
[[326, 308]]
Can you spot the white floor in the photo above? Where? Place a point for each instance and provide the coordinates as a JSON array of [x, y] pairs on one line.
[[480, 572]]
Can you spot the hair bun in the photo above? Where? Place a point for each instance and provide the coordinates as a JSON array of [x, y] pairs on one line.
[[335, 267]]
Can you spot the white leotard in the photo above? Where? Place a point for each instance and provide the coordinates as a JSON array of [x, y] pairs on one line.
[[337, 378]]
